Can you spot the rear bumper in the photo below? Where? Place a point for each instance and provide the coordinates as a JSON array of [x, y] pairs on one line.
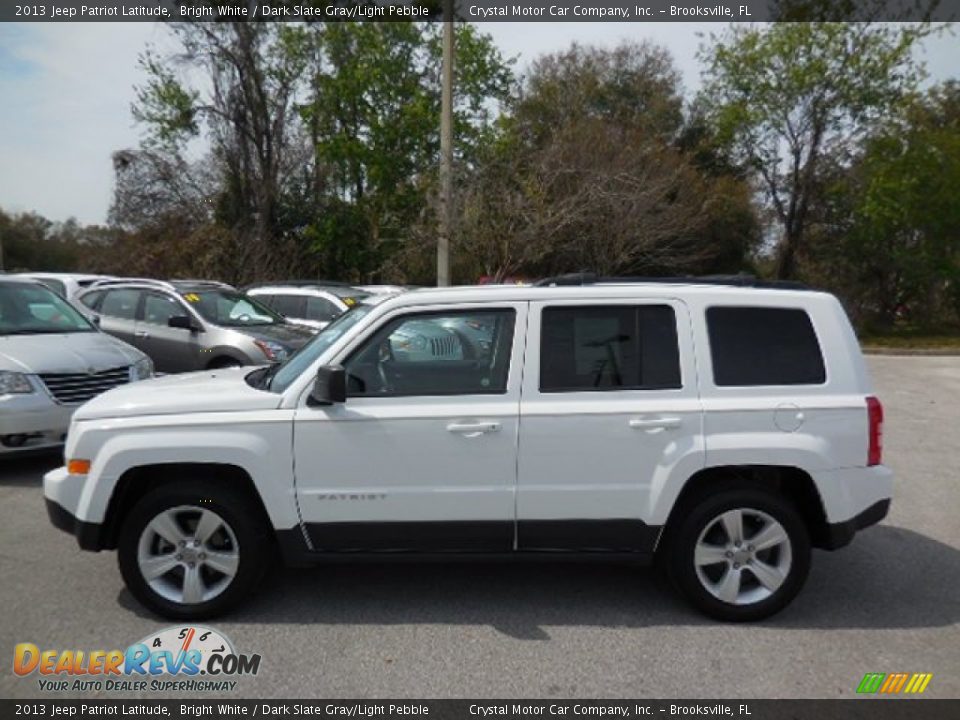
[[838, 535]]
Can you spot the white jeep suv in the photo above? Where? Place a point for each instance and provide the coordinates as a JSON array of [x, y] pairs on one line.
[[724, 429]]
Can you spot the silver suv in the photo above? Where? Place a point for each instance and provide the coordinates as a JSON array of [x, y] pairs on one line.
[[192, 324]]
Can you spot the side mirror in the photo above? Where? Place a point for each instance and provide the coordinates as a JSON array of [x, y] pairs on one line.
[[182, 321], [330, 387]]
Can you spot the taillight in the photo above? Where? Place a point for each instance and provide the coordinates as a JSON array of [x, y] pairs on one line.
[[875, 420]]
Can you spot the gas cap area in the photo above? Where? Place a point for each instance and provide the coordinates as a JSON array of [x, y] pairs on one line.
[[788, 417]]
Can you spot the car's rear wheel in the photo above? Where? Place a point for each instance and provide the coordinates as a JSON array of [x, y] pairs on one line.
[[740, 554], [191, 550]]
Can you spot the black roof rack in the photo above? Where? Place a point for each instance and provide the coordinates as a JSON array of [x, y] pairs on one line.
[[586, 278]]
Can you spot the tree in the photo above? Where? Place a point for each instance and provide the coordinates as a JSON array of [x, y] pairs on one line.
[[372, 117], [323, 138], [246, 79], [784, 96], [892, 243], [589, 174]]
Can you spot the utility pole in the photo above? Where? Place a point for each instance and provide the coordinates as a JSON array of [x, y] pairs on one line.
[[446, 150]]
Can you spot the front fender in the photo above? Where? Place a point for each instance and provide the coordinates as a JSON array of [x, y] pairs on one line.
[[260, 445]]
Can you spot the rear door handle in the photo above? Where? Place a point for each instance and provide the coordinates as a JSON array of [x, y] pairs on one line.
[[471, 430], [655, 424]]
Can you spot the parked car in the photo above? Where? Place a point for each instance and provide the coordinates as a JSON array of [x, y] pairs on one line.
[[192, 324], [307, 304], [384, 289], [69, 285], [723, 428], [52, 360]]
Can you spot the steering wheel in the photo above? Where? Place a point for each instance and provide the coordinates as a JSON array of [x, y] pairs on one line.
[[245, 317]]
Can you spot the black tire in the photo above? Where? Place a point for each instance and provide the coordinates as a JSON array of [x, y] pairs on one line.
[[700, 516], [254, 545], [223, 363]]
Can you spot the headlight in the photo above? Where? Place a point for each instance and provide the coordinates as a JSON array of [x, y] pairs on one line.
[[275, 352], [14, 383], [141, 369]]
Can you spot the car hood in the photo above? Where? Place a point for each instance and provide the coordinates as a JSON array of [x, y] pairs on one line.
[[287, 334], [223, 390], [65, 353]]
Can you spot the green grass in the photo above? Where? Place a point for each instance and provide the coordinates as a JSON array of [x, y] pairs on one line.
[[912, 340]]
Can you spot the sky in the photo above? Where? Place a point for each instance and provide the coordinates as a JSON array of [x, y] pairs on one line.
[[66, 91]]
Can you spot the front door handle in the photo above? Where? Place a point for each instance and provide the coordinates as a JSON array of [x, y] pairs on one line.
[[655, 424], [471, 430]]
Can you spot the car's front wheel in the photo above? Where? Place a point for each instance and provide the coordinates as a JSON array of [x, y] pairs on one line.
[[740, 554], [191, 550]]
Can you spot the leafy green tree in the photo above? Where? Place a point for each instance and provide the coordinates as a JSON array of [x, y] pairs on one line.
[[589, 173], [892, 245], [784, 97], [373, 121]]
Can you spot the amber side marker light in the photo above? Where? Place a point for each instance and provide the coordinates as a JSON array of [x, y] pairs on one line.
[[78, 467]]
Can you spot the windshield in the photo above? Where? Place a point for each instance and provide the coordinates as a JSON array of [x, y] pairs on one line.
[[229, 308], [35, 309], [297, 363]]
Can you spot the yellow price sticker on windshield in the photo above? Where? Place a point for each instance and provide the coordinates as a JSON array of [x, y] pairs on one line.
[[348, 301], [192, 297]]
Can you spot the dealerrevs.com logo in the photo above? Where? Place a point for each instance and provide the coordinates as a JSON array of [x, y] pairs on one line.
[[176, 659]]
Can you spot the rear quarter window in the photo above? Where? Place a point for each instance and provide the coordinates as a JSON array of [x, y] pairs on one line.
[[752, 346]]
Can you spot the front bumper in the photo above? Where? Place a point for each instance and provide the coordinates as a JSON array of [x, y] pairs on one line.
[[32, 421], [89, 535], [61, 492]]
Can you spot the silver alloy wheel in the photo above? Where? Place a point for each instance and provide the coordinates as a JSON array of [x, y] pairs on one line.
[[743, 556], [188, 554]]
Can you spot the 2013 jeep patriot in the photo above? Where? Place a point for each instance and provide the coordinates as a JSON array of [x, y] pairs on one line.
[[723, 429]]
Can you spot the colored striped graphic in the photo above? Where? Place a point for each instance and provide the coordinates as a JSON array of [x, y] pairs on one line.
[[893, 683]]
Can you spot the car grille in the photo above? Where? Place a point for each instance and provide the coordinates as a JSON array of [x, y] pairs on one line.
[[73, 388], [443, 347]]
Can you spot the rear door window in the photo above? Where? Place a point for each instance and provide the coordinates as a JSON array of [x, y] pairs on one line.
[[752, 346], [615, 347], [288, 305], [321, 310]]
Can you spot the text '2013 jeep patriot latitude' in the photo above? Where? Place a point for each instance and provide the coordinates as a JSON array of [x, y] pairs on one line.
[[724, 430]]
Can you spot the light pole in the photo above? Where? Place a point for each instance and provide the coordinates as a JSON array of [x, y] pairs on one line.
[[446, 150]]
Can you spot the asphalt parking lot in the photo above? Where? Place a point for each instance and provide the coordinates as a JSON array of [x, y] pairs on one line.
[[888, 603]]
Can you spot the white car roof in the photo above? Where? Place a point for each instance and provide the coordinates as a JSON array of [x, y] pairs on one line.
[[290, 290], [612, 290], [63, 276]]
